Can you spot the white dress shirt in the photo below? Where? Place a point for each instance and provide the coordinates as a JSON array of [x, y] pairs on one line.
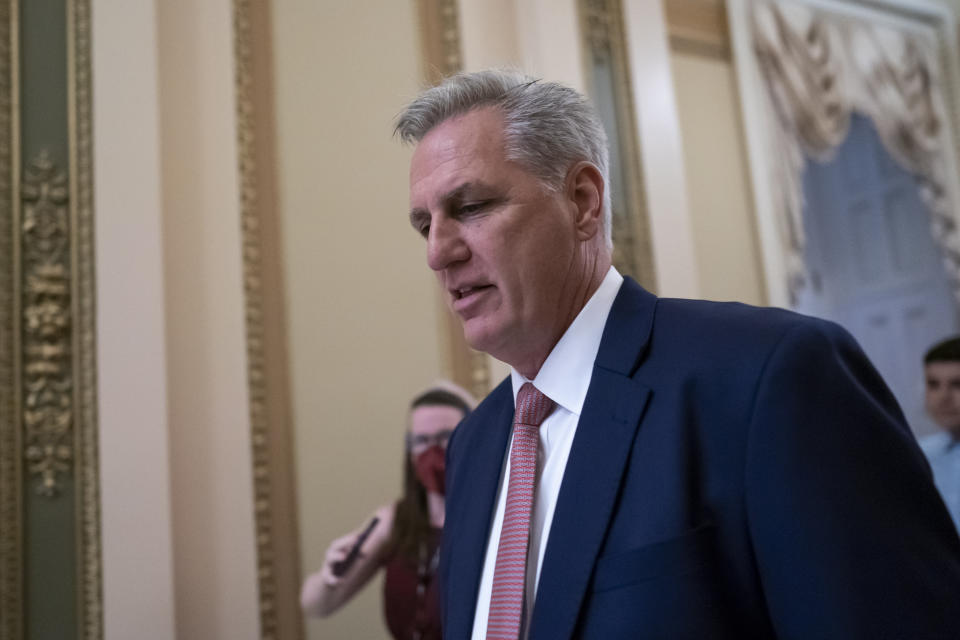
[[943, 452], [564, 378]]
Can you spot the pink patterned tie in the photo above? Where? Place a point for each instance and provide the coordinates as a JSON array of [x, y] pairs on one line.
[[509, 576]]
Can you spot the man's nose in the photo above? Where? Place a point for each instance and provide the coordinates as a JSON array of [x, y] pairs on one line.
[[940, 397], [445, 245]]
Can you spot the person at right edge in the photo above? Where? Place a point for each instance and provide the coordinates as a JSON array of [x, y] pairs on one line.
[[652, 467], [941, 372]]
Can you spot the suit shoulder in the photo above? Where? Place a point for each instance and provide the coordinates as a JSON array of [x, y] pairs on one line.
[[739, 322], [721, 338]]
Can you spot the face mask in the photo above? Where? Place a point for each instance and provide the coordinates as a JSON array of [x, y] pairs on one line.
[[429, 467]]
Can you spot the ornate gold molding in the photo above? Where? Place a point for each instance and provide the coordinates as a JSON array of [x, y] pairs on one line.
[[439, 39], [595, 18], [47, 324], [11, 506], [601, 25], [260, 433], [48, 422], [274, 491], [86, 452]]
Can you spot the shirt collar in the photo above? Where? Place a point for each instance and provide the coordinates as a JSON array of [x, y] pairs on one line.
[[937, 443], [565, 375]]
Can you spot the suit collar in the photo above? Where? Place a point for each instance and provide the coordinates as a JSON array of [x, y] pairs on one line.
[[627, 332], [471, 504], [565, 375], [611, 416]]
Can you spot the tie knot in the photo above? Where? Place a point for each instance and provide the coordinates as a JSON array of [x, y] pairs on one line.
[[532, 406]]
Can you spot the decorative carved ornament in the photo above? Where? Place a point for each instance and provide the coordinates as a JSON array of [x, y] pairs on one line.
[[48, 421], [596, 22], [47, 325], [11, 475], [439, 38], [450, 36]]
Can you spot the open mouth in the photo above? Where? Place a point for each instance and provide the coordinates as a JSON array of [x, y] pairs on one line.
[[466, 292]]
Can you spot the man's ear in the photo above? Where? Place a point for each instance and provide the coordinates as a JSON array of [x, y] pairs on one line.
[[585, 190]]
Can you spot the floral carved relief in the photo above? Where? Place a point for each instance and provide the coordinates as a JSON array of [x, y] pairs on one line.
[[47, 324]]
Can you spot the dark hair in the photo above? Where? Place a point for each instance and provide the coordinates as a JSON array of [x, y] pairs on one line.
[[945, 351], [440, 398], [411, 522]]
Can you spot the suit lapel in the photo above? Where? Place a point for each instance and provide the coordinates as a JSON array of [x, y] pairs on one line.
[[468, 525], [599, 456]]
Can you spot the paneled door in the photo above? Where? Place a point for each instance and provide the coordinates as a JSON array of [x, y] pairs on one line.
[[874, 266]]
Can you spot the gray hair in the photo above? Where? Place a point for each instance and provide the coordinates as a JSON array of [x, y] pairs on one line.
[[548, 127]]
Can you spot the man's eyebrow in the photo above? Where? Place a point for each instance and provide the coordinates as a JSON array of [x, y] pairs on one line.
[[454, 195], [416, 214]]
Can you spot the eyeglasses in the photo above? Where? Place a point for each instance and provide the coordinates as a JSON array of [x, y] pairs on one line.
[[420, 442]]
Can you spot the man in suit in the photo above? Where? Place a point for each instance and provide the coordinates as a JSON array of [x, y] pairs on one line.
[[652, 468]]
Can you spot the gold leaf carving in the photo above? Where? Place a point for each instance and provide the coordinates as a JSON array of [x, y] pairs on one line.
[[47, 324], [596, 21]]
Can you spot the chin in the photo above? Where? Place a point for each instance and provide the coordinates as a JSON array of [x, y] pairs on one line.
[[480, 336]]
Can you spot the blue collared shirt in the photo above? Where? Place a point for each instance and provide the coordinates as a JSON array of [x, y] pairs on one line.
[[943, 452]]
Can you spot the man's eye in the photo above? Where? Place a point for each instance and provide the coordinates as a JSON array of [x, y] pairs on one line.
[[424, 230], [471, 207]]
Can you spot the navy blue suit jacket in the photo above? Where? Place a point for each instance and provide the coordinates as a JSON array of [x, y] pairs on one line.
[[736, 473]]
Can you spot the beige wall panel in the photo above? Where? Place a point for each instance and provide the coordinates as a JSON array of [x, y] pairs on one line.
[[540, 37], [718, 180], [661, 149], [214, 559], [362, 307], [134, 455], [550, 40], [488, 34]]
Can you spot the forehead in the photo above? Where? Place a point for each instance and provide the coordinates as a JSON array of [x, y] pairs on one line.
[[459, 144], [948, 369], [430, 418]]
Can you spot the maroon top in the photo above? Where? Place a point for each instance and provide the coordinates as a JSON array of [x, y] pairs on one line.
[[411, 602]]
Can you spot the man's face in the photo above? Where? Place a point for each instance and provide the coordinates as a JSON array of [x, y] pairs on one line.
[[504, 247], [943, 394]]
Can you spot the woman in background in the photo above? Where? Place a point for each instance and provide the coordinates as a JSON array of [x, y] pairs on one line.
[[403, 538]]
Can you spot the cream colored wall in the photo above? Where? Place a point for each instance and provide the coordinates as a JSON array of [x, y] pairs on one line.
[[211, 483], [661, 150], [138, 584], [361, 301], [718, 181], [488, 34], [175, 469], [541, 37]]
